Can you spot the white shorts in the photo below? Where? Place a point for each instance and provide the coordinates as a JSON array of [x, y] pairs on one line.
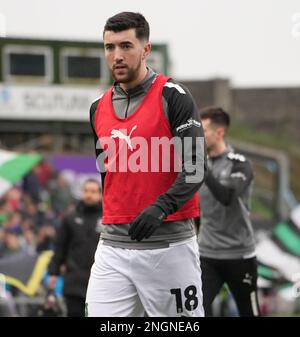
[[159, 282]]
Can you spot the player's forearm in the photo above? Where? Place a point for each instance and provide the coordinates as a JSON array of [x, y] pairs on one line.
[[184, 120], [224, 194], [99, 157], [179, 193], [188, 181], [97, 147], [100, 161]]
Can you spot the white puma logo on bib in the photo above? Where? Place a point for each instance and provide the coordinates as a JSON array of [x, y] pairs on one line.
[[119, 134]]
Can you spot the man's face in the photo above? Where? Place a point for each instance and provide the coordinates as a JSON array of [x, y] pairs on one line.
[[213, 134], [125, 54], [11, 241], [91, 194]]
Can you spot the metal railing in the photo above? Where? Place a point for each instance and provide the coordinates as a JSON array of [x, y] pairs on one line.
[[277, 163]]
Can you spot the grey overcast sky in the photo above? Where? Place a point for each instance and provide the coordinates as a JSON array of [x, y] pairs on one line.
[[251, 42]]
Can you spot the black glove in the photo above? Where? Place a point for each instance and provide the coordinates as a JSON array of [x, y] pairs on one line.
[[145, 224]]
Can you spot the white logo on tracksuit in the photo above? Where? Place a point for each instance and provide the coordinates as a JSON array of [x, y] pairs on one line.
[[119, 134]]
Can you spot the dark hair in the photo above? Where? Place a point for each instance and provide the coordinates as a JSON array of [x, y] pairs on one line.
[[92, 180], [216, 115], [127, 20]]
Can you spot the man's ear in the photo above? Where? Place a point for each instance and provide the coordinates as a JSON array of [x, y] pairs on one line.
[[221, 132], [147, 49]]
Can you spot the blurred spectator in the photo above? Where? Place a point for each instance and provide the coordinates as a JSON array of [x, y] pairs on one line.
[[44, 172], [61, 196], [14, 198], [31, 185], [45, 238], [29, 238], [10, 203], [14, 222], [4, 211], [10, 243]]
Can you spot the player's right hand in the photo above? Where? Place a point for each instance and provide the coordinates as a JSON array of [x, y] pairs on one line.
[[145, 224]]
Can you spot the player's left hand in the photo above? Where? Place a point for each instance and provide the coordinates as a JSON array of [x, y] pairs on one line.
[[145, 224]]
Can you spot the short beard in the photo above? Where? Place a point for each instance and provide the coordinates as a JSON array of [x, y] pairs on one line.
[[209, 149], [132, 74]]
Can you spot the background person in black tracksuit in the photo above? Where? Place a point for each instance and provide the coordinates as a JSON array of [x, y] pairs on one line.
[[226, 238], [76, 243]]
